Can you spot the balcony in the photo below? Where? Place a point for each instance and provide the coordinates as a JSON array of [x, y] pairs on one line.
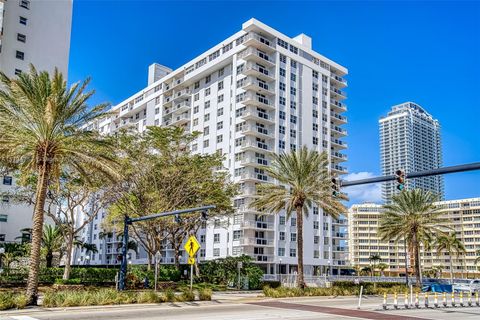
[[263, 225], [254, 70], [253, 84], [339, 143], [181, 107], [167, 101], [342, 107], [255, 40], [337, 93], [337, 118], [252, 176], [338, 80], [257, 146], [167, 87], [182, 94], [177, 82], [259, 116], [339, 131], [251, 99], [256, 242], [339, 156], [180, 119], [253, 161], [339, 169], [257, 131], [252, 54]]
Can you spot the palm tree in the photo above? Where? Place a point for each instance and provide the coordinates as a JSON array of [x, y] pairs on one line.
[[366, 270], [382, 266], [52, 241], [304, 180], [373, 259], [412, 216], [451, 245], [42, 133]]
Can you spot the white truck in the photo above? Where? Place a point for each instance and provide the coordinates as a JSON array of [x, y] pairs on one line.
[[467, 286]]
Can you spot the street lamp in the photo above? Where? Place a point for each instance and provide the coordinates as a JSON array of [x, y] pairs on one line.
[[158, 256]]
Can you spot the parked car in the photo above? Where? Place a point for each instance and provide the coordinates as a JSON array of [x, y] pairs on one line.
[[436, 285], [467, 285]]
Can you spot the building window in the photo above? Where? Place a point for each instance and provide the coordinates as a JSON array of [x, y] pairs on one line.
[[281, 144], [293, 222], [220, 138], [23, 21], [219, 125], [2, 237], [293, 236], [220, 98], [237, 234], [21, 37], [293, 252], [20, 55], [281, 252], [206, 143], [206, 131], [281, 129], [3, 218], [17, 72], [196, 85], [216, 238], [206, 117], [25, 4], [220, 85], [216, 252], [208, 79], [7, 180], [281, 236], [282, 220], [220, 112], [207, 92]]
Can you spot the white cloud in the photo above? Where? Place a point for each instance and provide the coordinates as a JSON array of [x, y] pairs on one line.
[[365, 192]]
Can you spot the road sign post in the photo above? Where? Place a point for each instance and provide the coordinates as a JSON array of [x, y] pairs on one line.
[[191, 247]]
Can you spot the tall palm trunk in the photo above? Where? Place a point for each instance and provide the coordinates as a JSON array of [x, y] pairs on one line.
[[300, 278], [68, 260], [49, 259], [37, 232], [416, 253], [451, 268]]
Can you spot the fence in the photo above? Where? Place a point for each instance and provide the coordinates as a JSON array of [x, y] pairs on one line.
[[289, 280]]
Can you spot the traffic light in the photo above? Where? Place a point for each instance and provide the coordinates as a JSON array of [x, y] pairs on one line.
[[400, 177], [335, 187], [204, 215]]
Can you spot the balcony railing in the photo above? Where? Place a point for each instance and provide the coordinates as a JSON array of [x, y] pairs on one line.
[[258, 224], [262, 132], [257, 55], [338, 104], [251, 98], [254, 37], [251, 68], [340, 155]]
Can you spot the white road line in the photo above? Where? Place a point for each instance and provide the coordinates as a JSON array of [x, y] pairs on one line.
[[23, 318]]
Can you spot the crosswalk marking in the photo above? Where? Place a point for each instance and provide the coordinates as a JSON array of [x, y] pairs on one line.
[[22, 318]]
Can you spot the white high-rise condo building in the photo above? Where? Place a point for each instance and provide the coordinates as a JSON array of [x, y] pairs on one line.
[[36, 32], [410, 141], [256, 93]]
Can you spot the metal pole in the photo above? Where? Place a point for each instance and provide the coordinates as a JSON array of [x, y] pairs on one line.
[[191, 277], [156, 272], [360, 298], [123, 267], [426, 173]]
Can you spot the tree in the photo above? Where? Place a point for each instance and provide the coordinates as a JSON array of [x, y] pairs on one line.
[[304, 180], [161, 174], [76, 194], [12, 253], [374, 258], [52, 241], [42, 131], [382, 266], [450, 244], [413, 216]]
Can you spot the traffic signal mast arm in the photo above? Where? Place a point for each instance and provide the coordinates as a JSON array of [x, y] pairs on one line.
[[173, 213], [419, 174]]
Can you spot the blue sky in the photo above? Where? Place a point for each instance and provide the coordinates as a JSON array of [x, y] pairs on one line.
[[426, 52]]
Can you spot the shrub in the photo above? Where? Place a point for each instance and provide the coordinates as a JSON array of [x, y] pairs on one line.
[[271, 283], [205, 294], [68, 281], [187, 295], [170, 295], [10, 300]]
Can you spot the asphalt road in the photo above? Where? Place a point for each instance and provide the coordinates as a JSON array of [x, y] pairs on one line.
[[249, 308]]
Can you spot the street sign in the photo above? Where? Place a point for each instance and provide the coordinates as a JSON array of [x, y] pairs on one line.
[[192, 246], [191, 260]]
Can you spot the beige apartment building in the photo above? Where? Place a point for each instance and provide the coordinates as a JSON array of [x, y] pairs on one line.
[[463, 216]]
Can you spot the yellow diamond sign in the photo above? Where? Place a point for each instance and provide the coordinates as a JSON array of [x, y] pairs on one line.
[[192, 246], [191, 260]]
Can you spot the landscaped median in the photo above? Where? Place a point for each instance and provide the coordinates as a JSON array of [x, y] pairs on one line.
[[99, 297], [338, 288]]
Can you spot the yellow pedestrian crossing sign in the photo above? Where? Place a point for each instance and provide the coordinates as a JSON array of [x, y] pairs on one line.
[[192, 246], [191, 260]]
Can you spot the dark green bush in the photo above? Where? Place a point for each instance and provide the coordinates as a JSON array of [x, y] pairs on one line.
[[271, 283]]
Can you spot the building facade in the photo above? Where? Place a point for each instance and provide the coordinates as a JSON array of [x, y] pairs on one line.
[[462, 215], [256, 93], [410, 141], [38, 33]]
